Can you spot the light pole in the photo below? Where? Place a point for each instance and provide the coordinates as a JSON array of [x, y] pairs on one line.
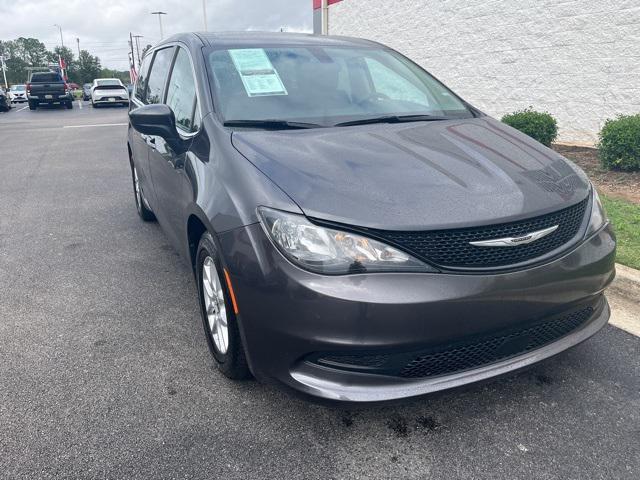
[[138, 37], [60, 28], [4, 71], [204, 13], [159, 14]]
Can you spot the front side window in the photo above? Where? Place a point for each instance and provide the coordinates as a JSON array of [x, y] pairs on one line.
[[181, 92], [158, 75], [325, 85]]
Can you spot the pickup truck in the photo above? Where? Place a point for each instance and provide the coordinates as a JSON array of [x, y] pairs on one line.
[[48, 87]]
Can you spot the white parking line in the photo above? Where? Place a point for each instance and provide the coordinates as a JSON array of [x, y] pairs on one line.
[[95, 125], [80, 104], [26, 106]]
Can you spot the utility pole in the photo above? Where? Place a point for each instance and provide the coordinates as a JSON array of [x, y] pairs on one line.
[[159, 14], [4, 71], [138, 37], [60, 29], [325, 17], [204, 14], [78, 40], [133, 58]]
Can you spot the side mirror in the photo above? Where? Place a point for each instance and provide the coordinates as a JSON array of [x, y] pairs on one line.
[[159, 120]]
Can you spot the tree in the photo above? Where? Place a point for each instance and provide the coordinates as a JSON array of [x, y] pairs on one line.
[[22, 53], [31, 50], [88, 67], [110, 73], [67, 55]]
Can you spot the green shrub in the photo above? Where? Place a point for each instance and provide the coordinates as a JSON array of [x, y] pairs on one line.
[[538, 125], [619, 145]]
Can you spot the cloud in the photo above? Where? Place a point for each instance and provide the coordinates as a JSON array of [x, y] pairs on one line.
[[103, 26]]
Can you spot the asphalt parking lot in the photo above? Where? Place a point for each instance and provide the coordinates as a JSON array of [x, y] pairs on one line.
[[105, 373]]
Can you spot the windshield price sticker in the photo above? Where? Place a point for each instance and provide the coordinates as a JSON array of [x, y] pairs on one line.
[[257, 73]]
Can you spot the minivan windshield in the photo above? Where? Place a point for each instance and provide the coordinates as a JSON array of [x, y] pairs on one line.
[[325, 86]]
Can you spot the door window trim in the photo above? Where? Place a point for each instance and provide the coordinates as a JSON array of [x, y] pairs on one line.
[[178, 44]]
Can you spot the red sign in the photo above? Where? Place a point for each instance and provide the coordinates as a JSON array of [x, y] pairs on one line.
[[318, 3]]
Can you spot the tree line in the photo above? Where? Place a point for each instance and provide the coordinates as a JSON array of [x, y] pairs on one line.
[[22, 53]]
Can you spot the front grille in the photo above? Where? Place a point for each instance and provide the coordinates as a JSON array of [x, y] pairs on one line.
[[477, 354], [464, 355], [451, 248]]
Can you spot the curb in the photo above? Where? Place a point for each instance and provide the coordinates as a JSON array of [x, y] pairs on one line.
[[627, 282], [624, 299]]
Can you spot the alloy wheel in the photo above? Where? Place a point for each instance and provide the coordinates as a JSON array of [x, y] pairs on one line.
[[216, 309], [136, 186]]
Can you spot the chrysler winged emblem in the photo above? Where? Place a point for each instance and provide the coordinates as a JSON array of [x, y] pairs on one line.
[[515, 241]]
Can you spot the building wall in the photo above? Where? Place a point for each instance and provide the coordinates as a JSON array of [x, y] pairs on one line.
[[577, 59]]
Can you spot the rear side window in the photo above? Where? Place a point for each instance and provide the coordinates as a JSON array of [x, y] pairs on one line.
[[141, 83], [181, 92], [158, 75], [46, 77]]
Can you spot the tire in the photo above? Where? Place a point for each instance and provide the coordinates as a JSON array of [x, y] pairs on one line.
[[231, 361], [32, 105], [141, 205], [69, 105]]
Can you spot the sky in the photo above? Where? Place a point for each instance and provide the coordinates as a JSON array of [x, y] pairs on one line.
[[103, 26]]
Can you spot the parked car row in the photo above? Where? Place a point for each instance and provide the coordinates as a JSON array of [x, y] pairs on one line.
[[49, 88]]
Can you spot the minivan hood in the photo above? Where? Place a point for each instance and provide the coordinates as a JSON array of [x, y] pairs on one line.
[[416, 176]]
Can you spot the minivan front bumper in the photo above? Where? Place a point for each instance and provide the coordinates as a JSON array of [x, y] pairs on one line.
[[290, 317]]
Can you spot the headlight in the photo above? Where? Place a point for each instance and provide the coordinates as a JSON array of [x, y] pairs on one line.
[[598, 215], [328, 251]]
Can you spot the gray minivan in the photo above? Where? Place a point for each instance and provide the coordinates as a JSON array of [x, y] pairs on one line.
[[357, 231]]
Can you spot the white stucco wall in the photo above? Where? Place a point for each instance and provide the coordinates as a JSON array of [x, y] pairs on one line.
[[577, 59]]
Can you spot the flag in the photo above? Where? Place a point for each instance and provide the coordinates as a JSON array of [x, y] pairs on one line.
[[132, 69], [62, 66]]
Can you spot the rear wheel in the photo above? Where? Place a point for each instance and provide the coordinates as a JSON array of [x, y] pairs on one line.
[[217, 311], [141, 203]]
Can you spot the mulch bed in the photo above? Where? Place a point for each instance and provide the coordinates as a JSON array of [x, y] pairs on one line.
[[625, 185]]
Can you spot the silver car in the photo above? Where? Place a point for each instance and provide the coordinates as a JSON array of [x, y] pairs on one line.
[[18, 93]]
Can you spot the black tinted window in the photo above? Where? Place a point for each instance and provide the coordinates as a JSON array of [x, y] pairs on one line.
[[158, 75], [46, 77], [181, 92], [142, 78]]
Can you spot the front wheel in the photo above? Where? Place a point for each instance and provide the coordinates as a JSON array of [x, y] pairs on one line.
[[32, 105], [218, 312], [141, 203], [69, 105]]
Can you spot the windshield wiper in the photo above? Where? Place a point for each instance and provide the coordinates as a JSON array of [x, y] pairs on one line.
[[392, 119], [271, 124]]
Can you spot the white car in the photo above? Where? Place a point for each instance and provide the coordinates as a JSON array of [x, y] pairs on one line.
[[18, 94], [109, 90]]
